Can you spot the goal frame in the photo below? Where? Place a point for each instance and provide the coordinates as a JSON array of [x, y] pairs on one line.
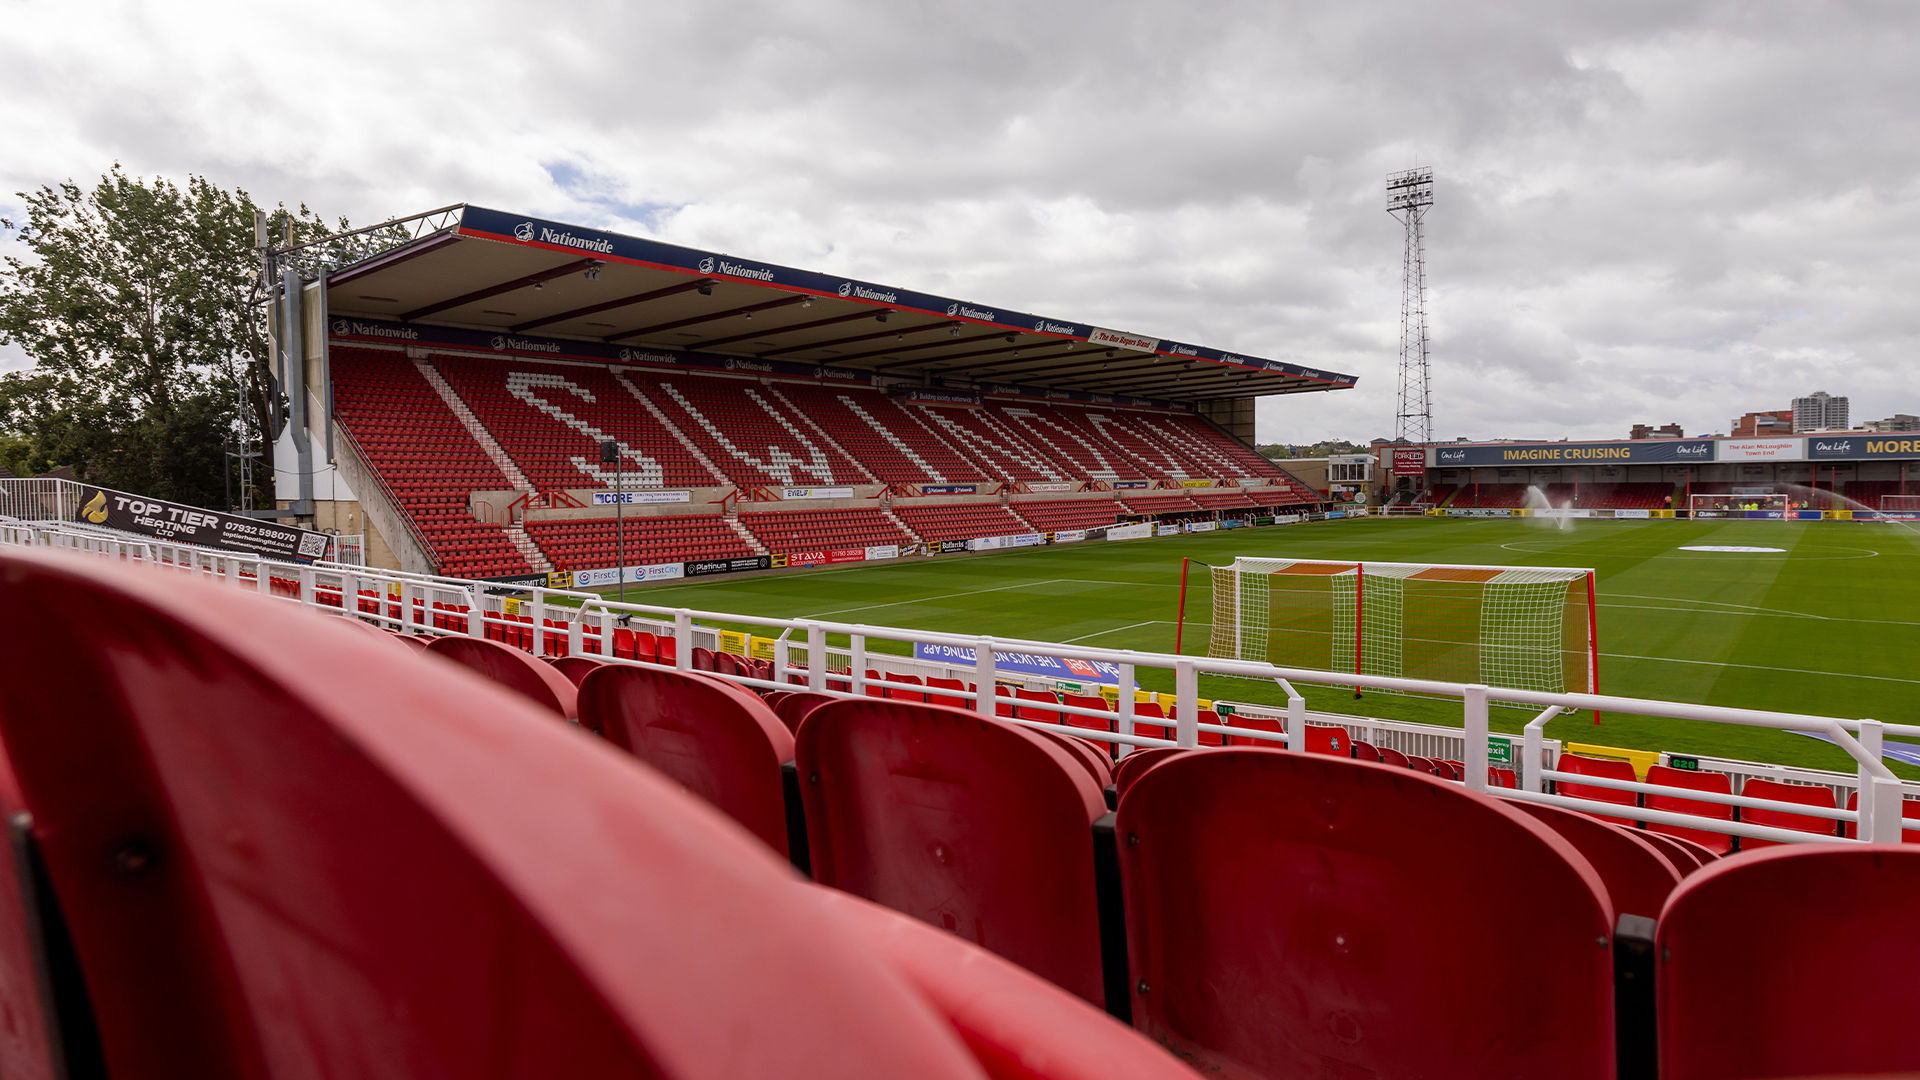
[[1361, 568], [1773, 507]]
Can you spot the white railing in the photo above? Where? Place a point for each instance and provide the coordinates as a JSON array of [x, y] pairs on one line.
[[802, 655]]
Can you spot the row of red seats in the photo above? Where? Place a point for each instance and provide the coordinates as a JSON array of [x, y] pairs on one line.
[[805, 530], [1718, 783], [963, 522], [1057, 514], [595, 542], [1294, 882], [238, 868]]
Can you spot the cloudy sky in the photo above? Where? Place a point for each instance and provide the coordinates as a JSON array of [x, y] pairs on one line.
[[1645, 211]]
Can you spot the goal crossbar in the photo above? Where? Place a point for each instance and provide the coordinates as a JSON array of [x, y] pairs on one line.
[[1522, 627]]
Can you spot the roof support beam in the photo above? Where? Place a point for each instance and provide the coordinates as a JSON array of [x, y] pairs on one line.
[[875, 336], [504, 287], [768, 305], [796, 328], [1098, 361], [625, 301]]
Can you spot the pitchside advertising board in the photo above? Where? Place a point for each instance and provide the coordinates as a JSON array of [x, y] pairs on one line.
[[164, 520], [1052, 667]]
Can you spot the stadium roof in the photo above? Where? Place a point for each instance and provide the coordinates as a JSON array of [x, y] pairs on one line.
[[512, 274]]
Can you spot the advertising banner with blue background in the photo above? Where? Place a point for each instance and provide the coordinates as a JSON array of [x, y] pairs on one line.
[[1019, 663], [1573, 453], [1825, 447]]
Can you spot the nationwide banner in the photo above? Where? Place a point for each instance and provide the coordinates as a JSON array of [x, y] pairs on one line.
[[1053, 667], [942, 397], [949, 489], [573, 240], [1572, 453], [164, 520]]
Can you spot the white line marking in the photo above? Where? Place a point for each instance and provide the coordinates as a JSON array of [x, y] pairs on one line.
[[1116, 630], [1761, 667], [929, 599]]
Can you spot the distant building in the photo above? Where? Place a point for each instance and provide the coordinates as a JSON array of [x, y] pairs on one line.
[[1779, 422], [1664, 431], [1820, 411], [1896, 422]]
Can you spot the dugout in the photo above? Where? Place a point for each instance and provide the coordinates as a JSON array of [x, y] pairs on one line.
[[466, 280]]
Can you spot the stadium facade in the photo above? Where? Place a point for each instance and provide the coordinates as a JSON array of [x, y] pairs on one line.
[[455, 397]]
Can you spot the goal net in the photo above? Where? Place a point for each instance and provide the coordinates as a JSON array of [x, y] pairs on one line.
[[1522, 627], [1900, 504], [1769, 505]]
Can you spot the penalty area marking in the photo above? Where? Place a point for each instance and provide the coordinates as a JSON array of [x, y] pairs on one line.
[[1727, 547]]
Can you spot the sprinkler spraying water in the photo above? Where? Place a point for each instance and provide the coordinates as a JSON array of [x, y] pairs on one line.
[[1536, 500]]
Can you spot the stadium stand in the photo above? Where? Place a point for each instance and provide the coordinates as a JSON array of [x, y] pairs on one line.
[[1057, 514], [964, 522], [1435, 496], [1635, 496], [747, 434], [891, 442], [1214, 452], [426, 458], [1226, 499], [1223, 846], [1718, 783], [805, 530], [1155, 505], [592, 543], [1085, 454], [986, 440], [1745, 965], [1496, 496], [370, 888], [1869, 492], [1778, 791], [551, 419], [1637, 875]]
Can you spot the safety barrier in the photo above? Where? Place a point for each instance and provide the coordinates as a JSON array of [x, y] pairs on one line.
[[555, 620]]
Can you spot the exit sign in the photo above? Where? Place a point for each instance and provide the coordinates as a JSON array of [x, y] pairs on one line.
[[1499, 751]]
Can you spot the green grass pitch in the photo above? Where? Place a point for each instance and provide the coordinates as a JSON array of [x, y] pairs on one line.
[[1830, 626]]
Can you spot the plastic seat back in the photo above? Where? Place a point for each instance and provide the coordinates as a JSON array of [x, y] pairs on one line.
[[264, 877], [513, 669], [1255, 723], [1608, 768], [1422, 765], [702, 659], [1909, 819], [1029, 712], [1720, 783], [1804, 794], [1685, 855], [1394, 759], [1146, 711], [1365, 751], [947, 699], [1085, 754], [1087, 701], [1322, 739], [797, 705], [575, 668], [1300, 915], [665, 649], [1757, 946], [1130, 767], [718, 740], [897, 693], [960, 821], [1638, 877]]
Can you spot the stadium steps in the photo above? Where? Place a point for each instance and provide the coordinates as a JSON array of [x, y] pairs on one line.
[[1142, 450], [1087, 460], [903, 526], [997, 448], [732, 518], [473, 425], [885, 448], [827, 436], [530, 551], [673, 428]]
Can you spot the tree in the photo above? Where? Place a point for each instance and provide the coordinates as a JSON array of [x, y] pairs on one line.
[[140, 308]]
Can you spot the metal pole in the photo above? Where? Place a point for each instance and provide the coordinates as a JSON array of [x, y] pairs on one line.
[[620, 521]]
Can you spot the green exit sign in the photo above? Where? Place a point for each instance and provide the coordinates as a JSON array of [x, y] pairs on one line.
[[1499, 751]]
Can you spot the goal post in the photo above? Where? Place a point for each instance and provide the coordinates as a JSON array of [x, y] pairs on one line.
[[1521, 627], [1767, 506], [1900, 504]]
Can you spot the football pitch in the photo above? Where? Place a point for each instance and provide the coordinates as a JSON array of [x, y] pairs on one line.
[[1828, 625]]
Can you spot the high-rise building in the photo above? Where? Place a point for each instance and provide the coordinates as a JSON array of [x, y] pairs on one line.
[[1896, 422], [1820, 411], [1778, 422], [1665, 431]]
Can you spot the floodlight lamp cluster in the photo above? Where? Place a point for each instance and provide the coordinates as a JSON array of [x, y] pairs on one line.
[[1411, 189]]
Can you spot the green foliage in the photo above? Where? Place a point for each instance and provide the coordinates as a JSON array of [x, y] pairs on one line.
[[138, 305]]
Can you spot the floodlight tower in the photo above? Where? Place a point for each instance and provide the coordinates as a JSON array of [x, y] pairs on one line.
[[1409, 195]]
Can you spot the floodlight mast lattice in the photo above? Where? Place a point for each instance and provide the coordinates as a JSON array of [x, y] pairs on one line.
[[1409, 196]]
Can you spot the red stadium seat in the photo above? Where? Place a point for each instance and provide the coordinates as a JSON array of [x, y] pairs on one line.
[[947, 699], [513, 669], [1607, 768], [1717, 782], [1805, 795], [702, 659], [1094, 760], [262, 876], [1685, 855], [1498, 777], [1909, 818], [1793, 961], [1422, 765], [1087, 701], [575, 668], [1322, 739], [1254, 723], [716, 739], [666, 649], [898, 694], [1299, 915], [1637, 875], [1394, 758], [1028, 712], [1148, 710], [797, 705], [1364, 751], [962, 822], [1130, 767]]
